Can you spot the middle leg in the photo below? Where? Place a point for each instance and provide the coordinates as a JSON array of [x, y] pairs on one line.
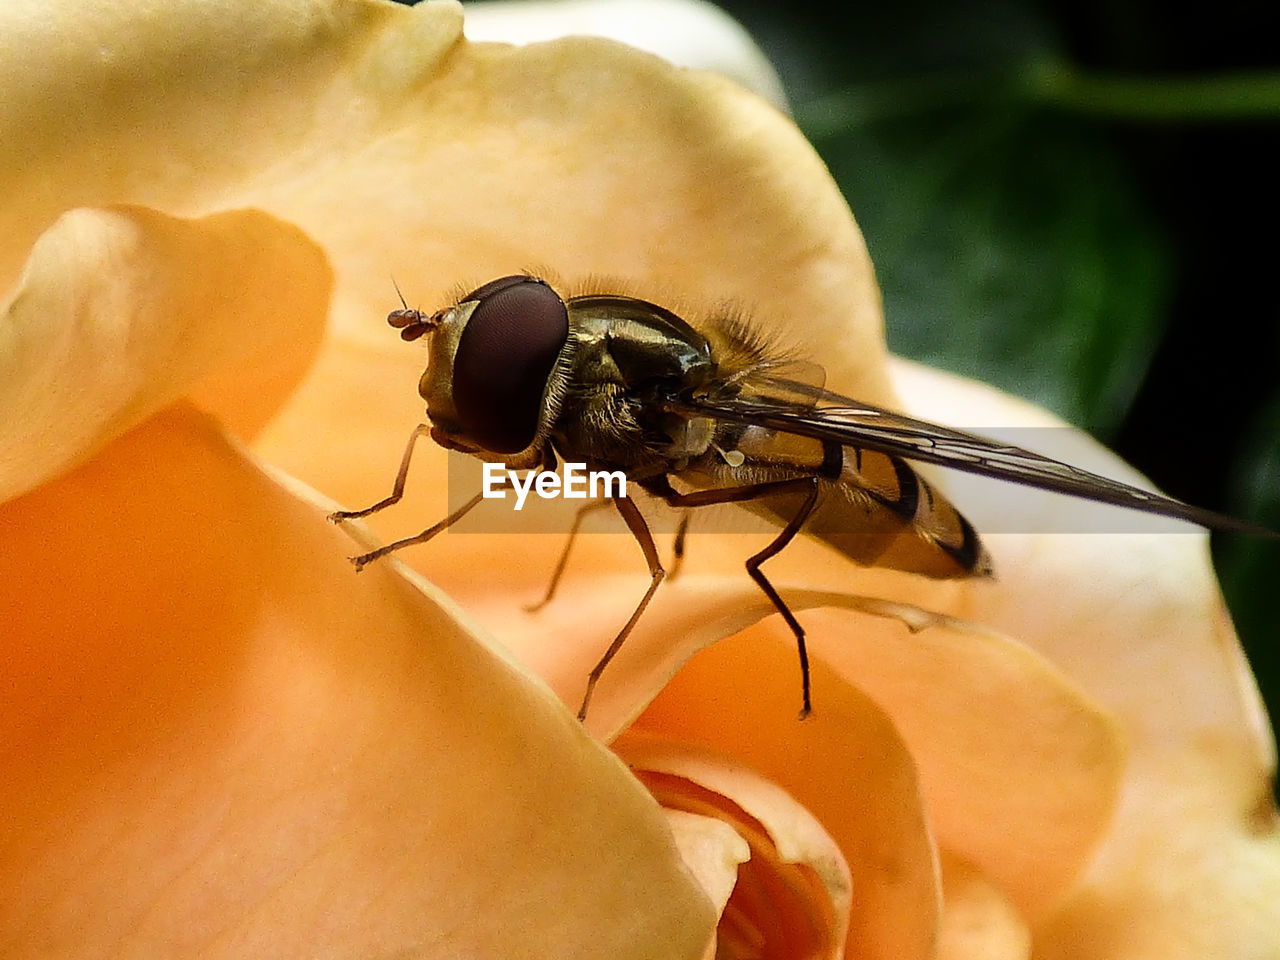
[[640, 530]]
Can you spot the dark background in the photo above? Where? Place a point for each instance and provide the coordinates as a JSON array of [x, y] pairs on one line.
[[1076, 202]]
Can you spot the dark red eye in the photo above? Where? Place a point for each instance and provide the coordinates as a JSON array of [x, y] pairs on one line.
[[505, 355], [493, 286]]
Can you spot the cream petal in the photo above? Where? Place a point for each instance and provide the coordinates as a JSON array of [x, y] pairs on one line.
[[389, 139], [712, 850], [794, 862], [1173, 882], [1148, 604], [1138, 622], [978, 922], [688, 33]]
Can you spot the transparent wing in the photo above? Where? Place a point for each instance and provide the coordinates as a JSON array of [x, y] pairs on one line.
[[805, 409], [786, 382]]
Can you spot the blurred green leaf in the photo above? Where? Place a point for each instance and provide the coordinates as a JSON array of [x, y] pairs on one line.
[[1247, 566], [1010, 248]]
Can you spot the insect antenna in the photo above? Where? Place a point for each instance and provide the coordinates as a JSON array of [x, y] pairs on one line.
[[410, 321]]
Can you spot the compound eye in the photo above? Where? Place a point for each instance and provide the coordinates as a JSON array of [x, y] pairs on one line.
[[493, 286], [504, 359]]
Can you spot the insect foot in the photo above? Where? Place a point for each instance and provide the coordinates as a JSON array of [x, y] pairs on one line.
[[338, 516]]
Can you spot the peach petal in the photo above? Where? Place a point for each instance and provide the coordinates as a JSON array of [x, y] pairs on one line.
[[846, 765], [978, 922], [1181, 888], [119, 312], [1028, 802], [1020, 771], [222, 741], [563, 641], [793, 895]]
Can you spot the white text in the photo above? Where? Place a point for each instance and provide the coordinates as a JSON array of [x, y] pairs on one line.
[[577, 483]]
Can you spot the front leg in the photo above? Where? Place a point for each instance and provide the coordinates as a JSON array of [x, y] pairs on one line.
[[422, 537], [397, 490]]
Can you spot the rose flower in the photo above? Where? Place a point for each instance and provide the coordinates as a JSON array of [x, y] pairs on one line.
[[220, 740]]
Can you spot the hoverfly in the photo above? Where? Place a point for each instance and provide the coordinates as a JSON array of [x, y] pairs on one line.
[[519, 374]]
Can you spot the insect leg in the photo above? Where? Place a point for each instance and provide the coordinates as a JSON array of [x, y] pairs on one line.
[[397, 491], [640, 530], [677, 546], [811, 486], [422, 537], [564, 555], [753, 568]]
